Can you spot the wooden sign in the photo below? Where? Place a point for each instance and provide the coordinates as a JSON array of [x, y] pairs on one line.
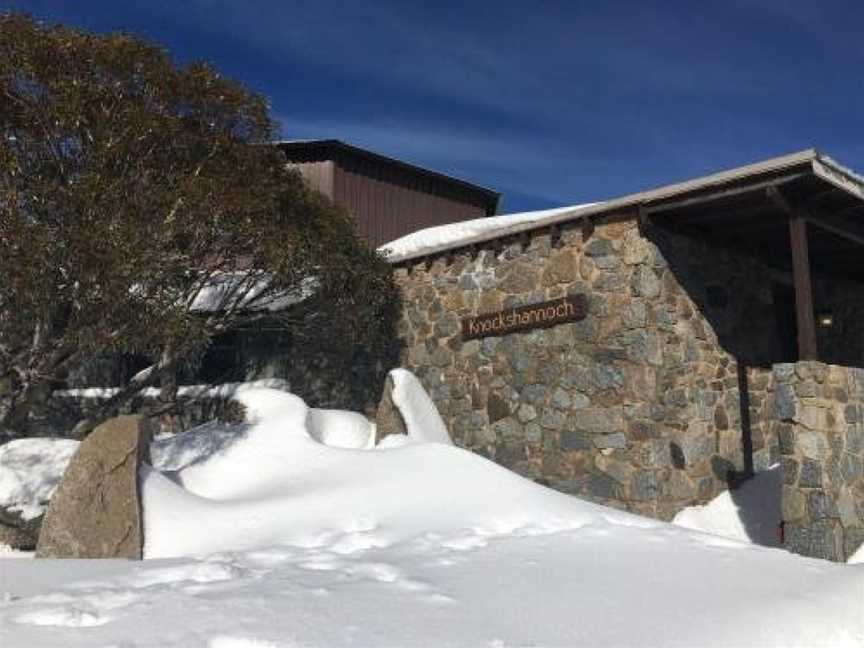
[[526, 318]]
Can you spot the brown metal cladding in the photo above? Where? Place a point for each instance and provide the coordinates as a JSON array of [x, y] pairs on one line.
[[387, 197], [319, 175]]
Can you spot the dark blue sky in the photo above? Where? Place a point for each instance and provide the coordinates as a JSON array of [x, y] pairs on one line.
[[549, 102]]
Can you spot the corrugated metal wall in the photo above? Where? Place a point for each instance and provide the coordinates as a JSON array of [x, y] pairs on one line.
[[319, 174], [389, 203]]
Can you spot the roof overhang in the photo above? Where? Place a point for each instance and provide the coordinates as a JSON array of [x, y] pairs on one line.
[[734, 202]]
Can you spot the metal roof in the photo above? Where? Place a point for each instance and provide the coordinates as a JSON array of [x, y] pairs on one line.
[[333, 145], [779, 170]]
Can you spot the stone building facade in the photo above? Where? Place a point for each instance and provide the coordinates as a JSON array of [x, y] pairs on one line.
[[658, 399], [683, 377], [820, 427]]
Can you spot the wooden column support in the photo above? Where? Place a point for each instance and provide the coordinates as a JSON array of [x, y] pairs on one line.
[[807, 346]]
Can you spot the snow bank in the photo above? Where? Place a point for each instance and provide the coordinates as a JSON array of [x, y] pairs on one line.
[[30, 470], [421, 417], [445, 236], [284, 541], [275, 483], [340, 429], [750, 513]]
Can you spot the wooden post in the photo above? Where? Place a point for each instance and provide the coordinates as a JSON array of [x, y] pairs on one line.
[[807, 348]]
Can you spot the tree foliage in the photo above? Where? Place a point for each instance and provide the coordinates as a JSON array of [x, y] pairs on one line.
[[141, 211]]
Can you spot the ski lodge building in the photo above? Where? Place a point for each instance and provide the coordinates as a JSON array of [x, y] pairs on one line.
[[651, 351]]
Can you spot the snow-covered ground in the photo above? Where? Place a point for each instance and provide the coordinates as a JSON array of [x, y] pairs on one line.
[[750, 513], [264, 535]]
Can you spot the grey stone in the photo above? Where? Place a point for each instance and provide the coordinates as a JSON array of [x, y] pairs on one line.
[[441, 357], [526, 413], [851, 468], [643, 346], [635, 315], [96, 510], [784, 402], [696, 447], [602, 486], [783, 372], [789, 468], [573, 440], [579, 401], [616, 440], [644, 485], [599, 247], [609, 262], [533, 433], [855, 439], [635, 249], [599, 420], [509, 453], [811, 474], [561, 399], [608, 282], [534, 394], [645, 283], [654, 454], [447, 326], [388, 419], [552, 420], [813, 445], [489, 345], [820, 506], [847, 511], [507, 428], [786, 438], [793, 504]]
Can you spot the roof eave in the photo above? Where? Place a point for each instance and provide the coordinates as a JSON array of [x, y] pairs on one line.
[[795, 163]]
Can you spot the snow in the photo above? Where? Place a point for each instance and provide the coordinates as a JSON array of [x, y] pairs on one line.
[[750, 513], [267, 537], [225, 390], [340, 429], [452, 235], [30, 470], [421, 417], [224, 289]]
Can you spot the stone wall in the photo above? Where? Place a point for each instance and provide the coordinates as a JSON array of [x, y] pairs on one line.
[[657, 400], [820, 424]]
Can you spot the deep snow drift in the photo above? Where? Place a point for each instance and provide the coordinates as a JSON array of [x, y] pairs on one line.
[[282, 540], [750, 513]]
